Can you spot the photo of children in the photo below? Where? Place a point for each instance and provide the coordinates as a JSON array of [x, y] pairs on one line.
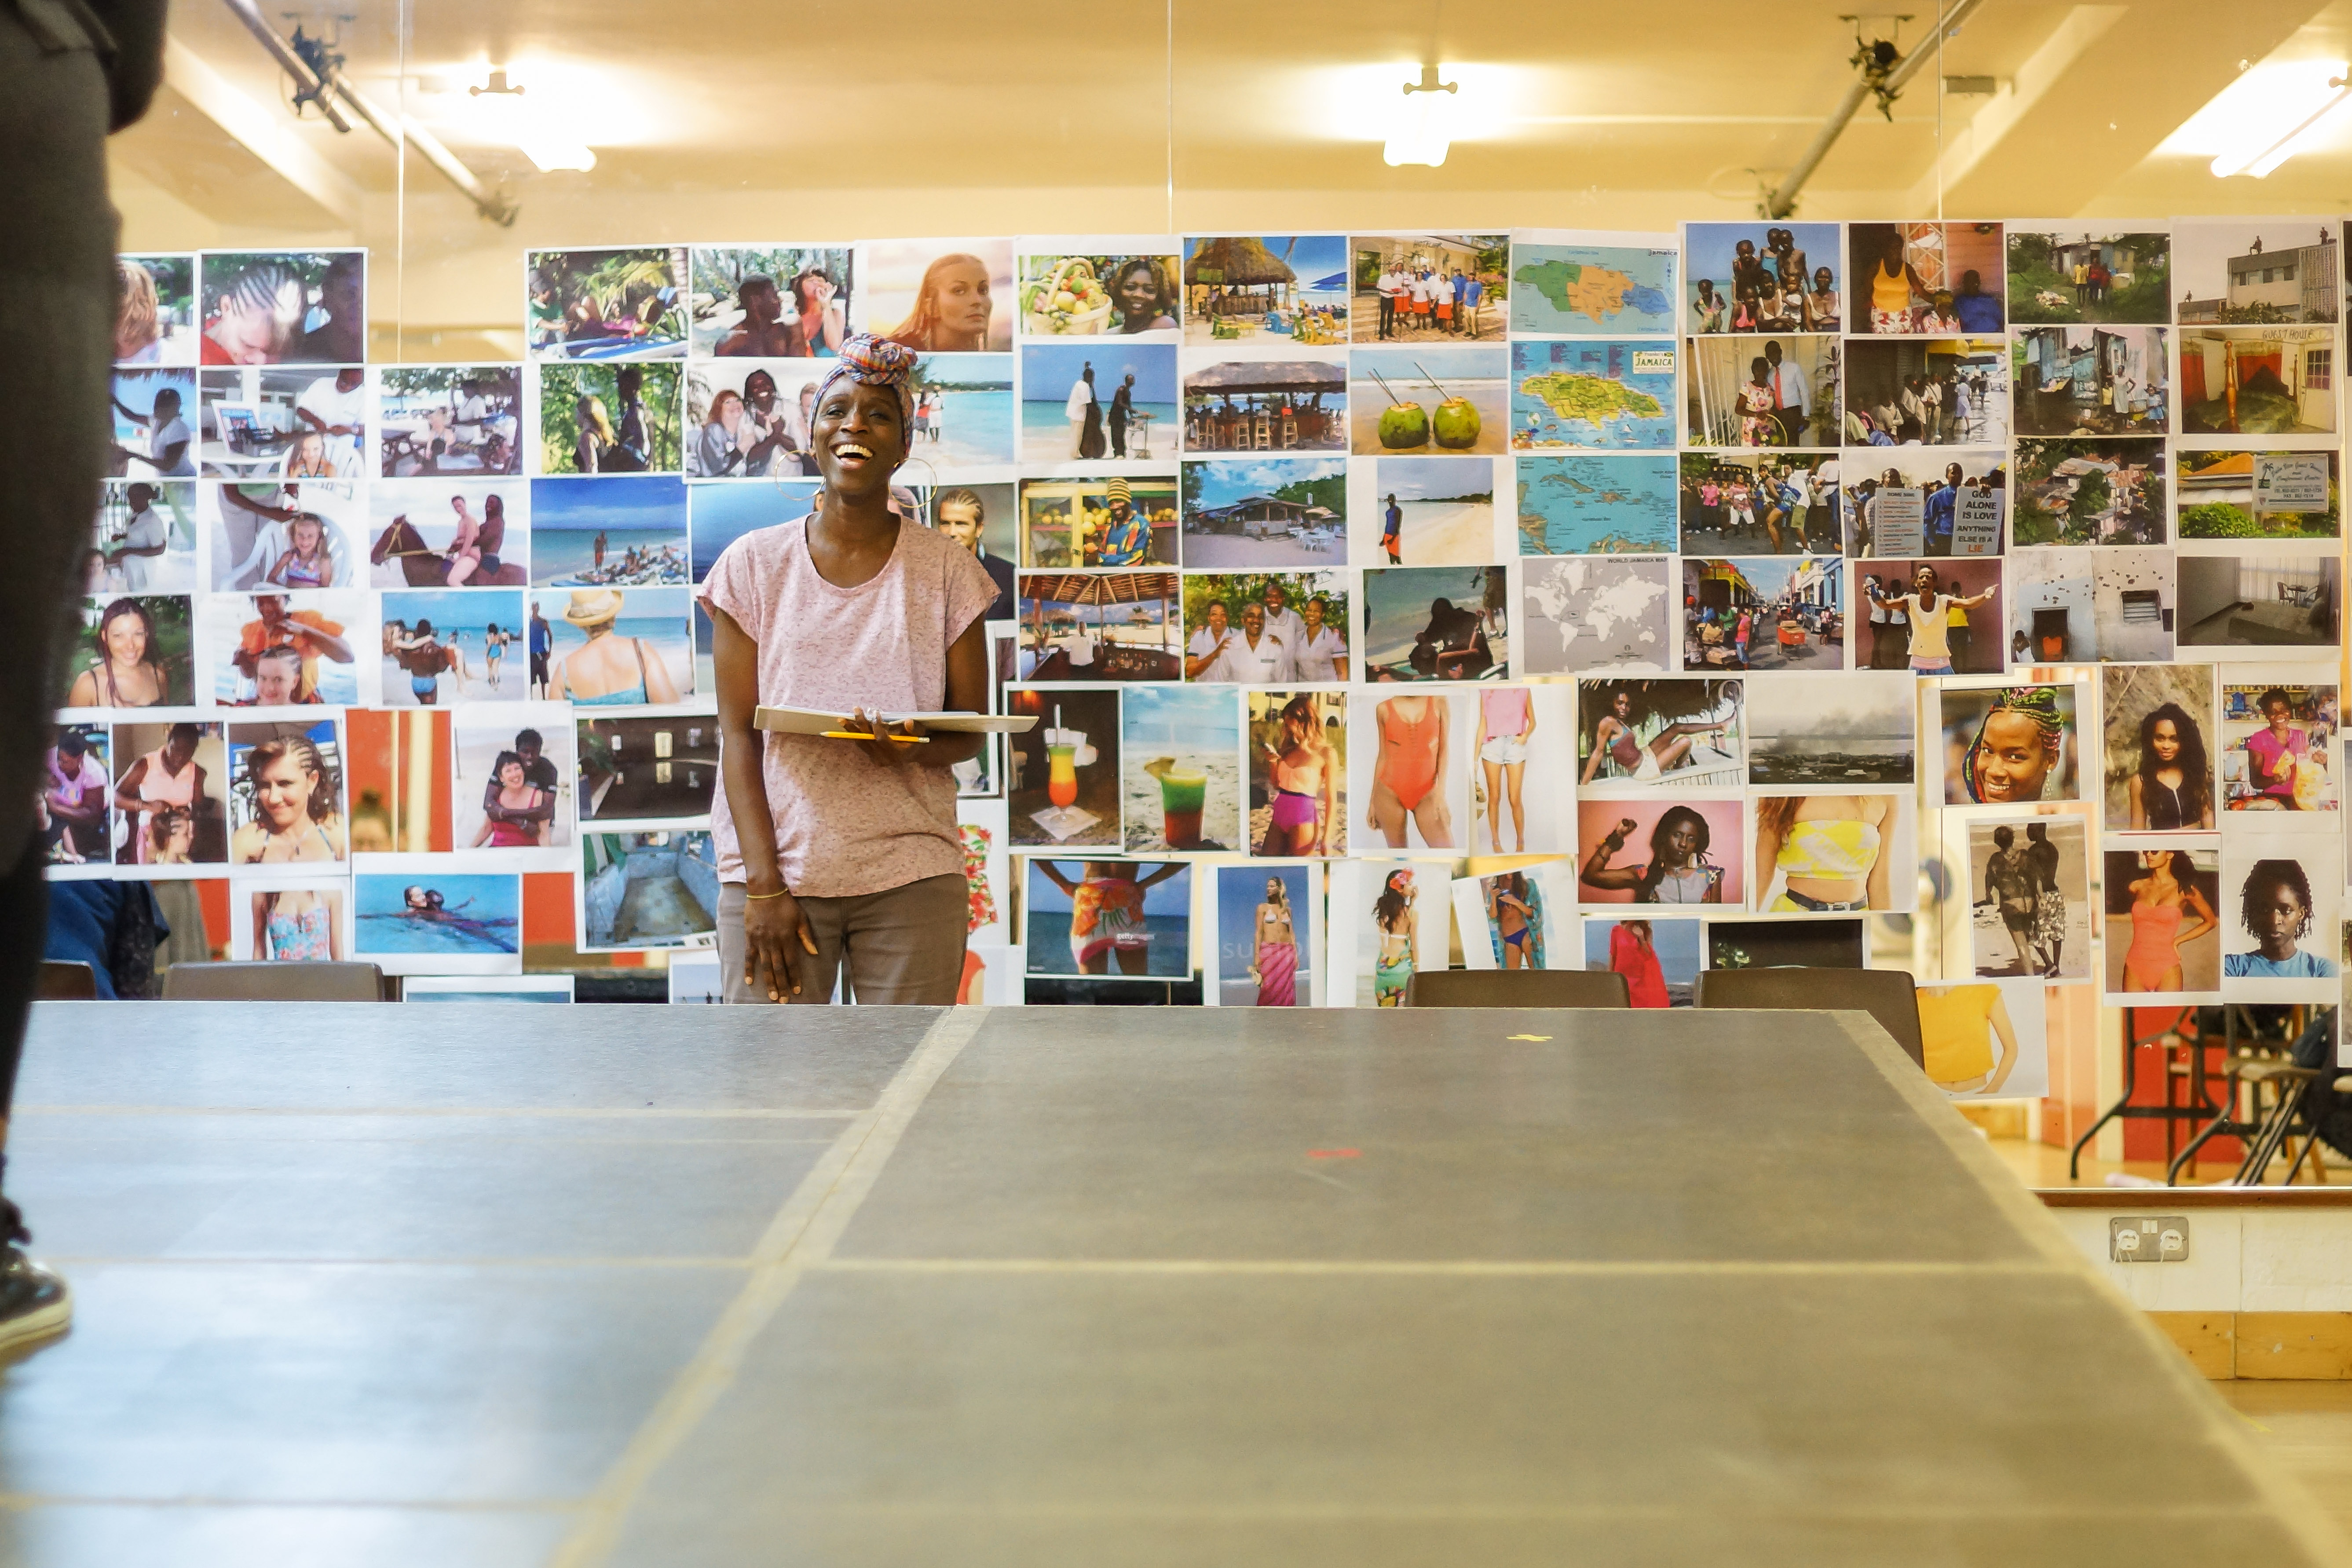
[[1265, 923], [1770, 613], [1416, 287], [771, 301], [448, 419], [426, 918], [282, 423], [2090, 490], [1746, 278], [609, 419], [298, 534], [2028, 902], [286, 792], [76, 796], [1768, 391], [638, 891], [663, 769], [1659, 959], [1653, 852], [451, 533], [624, 303], [1742, 503], [1297, 759], [155, 309], [1108, 917], [277, 650], [1094, 402], [511, 777], [1933, 279], [1277, 288], [2010, 745], [2157, 724], [1266, 628], [2258, 380], [440, 646], [1524, 918], [151, 438], [1434, 399], [1100, 522], [2254, 270], [2163, 898], [1836, 853], [616, 531], [2087, 276], [2090, 381], [1857, 730], [1436, 623], [941, 296], [1181, 772], [1273, 512], [132, 652], [283, 307], [144, 540], [1931, 392], [1987, 1041], [1096, 296], [2278, 739], [171, 798], [2240, 494], [613, 647], [1640, 735], [2261, 601], [1062, 777], [2277, 920], [286, 920]]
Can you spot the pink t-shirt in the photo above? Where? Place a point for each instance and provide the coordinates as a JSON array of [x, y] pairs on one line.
[[1505, 710], [846, 824]]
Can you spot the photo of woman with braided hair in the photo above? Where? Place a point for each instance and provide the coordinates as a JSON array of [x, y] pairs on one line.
[[285, 793], [2010, 745]]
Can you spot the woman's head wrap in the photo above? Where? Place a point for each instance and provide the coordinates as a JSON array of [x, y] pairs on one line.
[[877, 362], [2039, 703]]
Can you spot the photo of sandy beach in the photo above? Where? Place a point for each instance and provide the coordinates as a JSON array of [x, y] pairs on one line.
[[1429, 512], [1429, 398]]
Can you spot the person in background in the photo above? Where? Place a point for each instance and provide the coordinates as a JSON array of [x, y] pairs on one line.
[[961, 517], [143, 541], [840, 855], [1632, 953], [166, 437], [1978, 313], [1472, 291], [761, 334], [542, 643], [74, 794], [335, 406]]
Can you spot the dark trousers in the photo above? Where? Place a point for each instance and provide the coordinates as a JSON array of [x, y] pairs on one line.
[[1388, 314], [57, 319]]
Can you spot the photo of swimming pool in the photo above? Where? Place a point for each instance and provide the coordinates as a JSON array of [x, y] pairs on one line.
[[436, 912]]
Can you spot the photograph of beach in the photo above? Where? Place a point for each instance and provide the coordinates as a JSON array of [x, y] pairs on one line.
[[1436, 623], [1180, 770], [1137, 919], [435, 647], [1240, 515], [1265, 291], [1275, 971], [1441, 510], [415, 524], [718, 515], [228, 623], [964, 412], [1096, 401], [655, 618], [623, 531], [1431, 399]]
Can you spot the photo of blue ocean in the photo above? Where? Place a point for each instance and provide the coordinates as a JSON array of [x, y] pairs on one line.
[[478, 914], [972, 411], [462, 617], [1239, 891], [718, 515], [1049, 371], [645, 513], [656, 614], [1167, 916]]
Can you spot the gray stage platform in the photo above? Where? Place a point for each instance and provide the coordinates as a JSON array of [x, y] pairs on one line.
[[452, 1285]]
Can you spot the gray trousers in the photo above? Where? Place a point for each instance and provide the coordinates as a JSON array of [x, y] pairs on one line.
[[902, 946]]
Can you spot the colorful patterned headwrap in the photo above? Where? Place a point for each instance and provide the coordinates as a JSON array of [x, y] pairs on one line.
[[877, 362], [2039, 703]]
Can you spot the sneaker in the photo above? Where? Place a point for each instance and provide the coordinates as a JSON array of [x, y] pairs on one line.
[[33, 1301]]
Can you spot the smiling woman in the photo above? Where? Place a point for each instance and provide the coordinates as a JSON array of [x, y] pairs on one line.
[[836, 852]]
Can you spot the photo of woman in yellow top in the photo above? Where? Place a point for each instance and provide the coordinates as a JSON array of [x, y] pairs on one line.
[[1959, 1026], [1819, 853]]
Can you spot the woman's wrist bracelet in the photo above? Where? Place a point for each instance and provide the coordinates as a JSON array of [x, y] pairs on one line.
[[779, 893]]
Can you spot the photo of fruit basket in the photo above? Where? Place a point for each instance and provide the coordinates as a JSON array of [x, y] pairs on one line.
[[1068, 300]]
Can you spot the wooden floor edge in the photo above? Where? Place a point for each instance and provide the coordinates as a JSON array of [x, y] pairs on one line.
[[2280, 1346]]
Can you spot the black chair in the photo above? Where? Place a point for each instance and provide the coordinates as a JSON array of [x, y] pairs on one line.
[[1886, 994], [61, 981], [1516, 988], [273, 982]]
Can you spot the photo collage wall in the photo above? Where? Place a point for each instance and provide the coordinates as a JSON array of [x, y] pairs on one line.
[[1760, 568]]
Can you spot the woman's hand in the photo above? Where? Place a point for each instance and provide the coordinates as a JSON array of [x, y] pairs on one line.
[[769, 926], [891, 754]]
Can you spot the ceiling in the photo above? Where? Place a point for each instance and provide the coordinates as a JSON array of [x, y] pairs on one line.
[[712, 121]]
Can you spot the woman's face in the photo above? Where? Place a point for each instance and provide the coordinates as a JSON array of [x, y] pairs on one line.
[[1138, 295], [2280, 917], [416, 899], [1683, 842], [960, 293], [859, 434], [282, 792], [1621, 705], [510, 776], [731, 415], [2276, 712], [1274, 890], [1314, 617], [126, 639], [2010, 761], [2165, 741], [1821, 280]]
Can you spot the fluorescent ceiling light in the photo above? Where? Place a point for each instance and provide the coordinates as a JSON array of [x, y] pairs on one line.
[[2269, 114], [526, 107], [2261, 162], [553, 152]]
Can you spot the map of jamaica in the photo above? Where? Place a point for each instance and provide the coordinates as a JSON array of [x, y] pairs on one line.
[[1579, 290]]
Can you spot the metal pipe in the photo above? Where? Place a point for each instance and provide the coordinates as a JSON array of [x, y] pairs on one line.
[[1782, 201], [305, 79], [396, 131], [487, 202]]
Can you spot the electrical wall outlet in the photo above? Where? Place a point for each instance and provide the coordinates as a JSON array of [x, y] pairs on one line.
[[2149, 1239]]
